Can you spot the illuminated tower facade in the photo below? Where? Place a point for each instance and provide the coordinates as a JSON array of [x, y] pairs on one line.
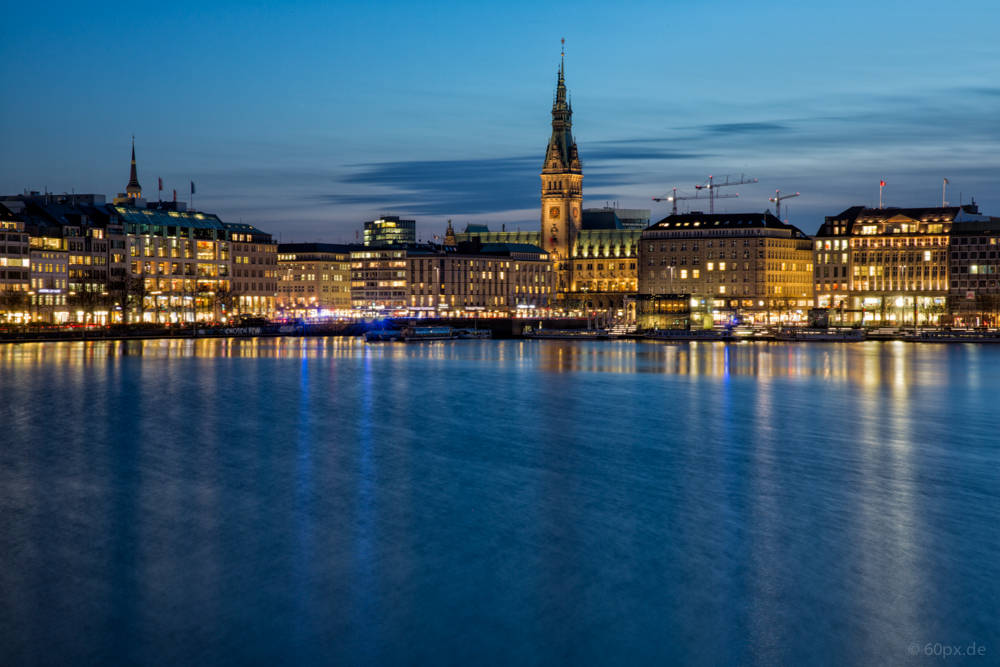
[[562, 185]]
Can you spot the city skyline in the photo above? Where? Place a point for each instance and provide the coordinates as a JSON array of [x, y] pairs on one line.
[[427, 114]]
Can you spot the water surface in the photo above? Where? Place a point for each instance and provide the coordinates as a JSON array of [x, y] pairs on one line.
[[320, 501]]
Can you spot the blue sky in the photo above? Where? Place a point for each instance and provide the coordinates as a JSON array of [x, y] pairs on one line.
[[307, 119]]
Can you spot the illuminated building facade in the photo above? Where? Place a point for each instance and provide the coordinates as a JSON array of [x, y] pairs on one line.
[[255, 269], [493, 279], [138, 261], [595, 251], [315, 279], [390, 230], [974, 286], [893, 266], [15, 268], [746, 264]]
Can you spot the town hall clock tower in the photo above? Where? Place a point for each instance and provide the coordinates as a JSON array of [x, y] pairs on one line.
[[562, 185]]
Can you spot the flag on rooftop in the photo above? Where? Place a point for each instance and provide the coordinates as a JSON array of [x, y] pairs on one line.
[[192, 187]]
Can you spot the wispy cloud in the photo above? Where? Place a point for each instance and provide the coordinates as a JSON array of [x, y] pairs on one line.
[[439, 187], [744, 128]]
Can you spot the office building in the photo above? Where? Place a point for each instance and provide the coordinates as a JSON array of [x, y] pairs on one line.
[[493, 279], [390, 230], [315, 279]]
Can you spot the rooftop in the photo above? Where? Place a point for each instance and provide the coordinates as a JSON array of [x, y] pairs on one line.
[[718, 221]]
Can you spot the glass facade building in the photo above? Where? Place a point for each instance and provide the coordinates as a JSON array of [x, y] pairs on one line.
[[390, 230]]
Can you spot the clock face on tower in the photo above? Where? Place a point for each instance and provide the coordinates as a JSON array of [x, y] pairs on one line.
[[576, 213], [554, 212]]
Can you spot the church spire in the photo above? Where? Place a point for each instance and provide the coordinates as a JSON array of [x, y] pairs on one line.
[[134, 190]]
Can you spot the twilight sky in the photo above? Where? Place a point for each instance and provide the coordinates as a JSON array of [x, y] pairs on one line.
[[307, 119]]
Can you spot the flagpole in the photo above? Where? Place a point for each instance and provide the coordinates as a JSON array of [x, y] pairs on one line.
[[943, 187]]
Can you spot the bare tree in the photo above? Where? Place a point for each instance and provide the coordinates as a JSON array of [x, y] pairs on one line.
[[119, 289], [883, 309], [139, 291], [88, 300], [988, 307], [12, 301], [227, 298]]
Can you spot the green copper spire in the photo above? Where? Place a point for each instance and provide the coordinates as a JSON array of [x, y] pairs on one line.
[[561, 153]]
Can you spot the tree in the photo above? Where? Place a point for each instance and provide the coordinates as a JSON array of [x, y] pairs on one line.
[[12, 302], [139, 291], [227, 298], [883, 309], [119, 289], [988, 307], [87, 300]]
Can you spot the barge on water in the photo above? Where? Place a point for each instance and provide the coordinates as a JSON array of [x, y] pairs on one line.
[[411, 334], [571, 334], [821, 335], [707, 335], [474, 334], [954, 336]]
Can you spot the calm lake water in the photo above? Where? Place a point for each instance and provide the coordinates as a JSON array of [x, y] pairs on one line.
[[320, 501]]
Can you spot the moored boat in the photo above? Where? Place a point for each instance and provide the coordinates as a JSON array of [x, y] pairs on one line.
[[474, 334], [821, 335], [708, 335], [953, 336], [570, 334], [411, 334]]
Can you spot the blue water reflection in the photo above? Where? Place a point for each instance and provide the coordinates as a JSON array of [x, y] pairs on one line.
[[322, 501]]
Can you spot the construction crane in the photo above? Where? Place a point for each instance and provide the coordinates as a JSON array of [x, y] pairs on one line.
[[712, 186], [778, 198], [676, 198]]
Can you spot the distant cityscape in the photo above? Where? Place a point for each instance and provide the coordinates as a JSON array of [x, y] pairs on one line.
[[79, 259]]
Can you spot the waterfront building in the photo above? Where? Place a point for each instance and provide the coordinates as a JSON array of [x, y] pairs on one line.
[[315, 279], [666, 311], [49, 282], [390, 230], [890, 265], [15, 268], [133, 260], [494, 279], [749, 265], [255, 269], [973, 289], [595, 251]]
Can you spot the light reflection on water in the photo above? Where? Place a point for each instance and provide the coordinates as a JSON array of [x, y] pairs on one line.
[[324, 501], [895, 364]]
